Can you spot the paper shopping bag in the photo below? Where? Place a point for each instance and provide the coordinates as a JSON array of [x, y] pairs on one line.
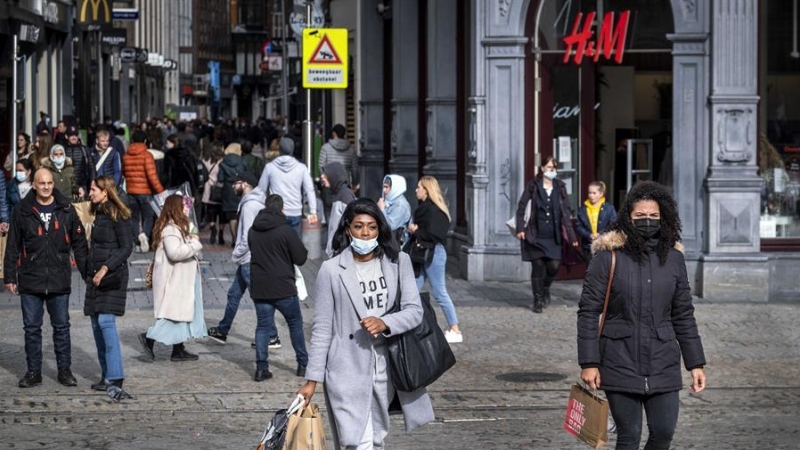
[[305, 430], [587, 416], [84, 211]]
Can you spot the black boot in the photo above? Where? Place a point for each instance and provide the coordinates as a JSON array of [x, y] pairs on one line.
[[147, 345], [213, 235], [538, 294], [548, 281], [546, 297], [179, 353], [221, 237]]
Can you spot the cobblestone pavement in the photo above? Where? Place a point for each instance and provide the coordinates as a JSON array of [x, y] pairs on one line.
[[752, 402]]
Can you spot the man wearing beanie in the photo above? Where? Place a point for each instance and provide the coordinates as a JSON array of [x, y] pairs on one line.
[[289, 178], [82, 165], [141, 181]]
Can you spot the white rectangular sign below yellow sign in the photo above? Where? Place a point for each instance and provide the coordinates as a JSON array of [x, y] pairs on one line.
[[325, 58]]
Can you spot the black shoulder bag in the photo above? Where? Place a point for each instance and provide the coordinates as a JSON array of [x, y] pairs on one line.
[[421, 355]]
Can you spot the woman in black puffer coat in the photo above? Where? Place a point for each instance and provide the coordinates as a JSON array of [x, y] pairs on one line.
[[109, 248], [649, 322]]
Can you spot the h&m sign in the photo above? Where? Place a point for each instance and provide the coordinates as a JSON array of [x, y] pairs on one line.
[[610, 41]]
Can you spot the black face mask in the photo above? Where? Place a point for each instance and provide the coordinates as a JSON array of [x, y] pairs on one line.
[[647, 228]]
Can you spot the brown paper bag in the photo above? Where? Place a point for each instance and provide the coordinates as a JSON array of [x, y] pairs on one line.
[[3, 240], [587, 416], [305, 430], [84, 211]]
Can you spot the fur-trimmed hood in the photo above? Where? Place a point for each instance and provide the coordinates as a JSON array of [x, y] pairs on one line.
[[614, 240]]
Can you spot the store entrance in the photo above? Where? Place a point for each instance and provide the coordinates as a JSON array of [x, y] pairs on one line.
[[605, 118]]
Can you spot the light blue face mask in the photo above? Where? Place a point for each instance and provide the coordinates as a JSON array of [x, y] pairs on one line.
[[363, 247], [22, 176], [552, 175], [59, 161]]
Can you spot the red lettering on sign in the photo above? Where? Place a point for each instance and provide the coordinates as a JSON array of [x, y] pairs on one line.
[[610, 41]]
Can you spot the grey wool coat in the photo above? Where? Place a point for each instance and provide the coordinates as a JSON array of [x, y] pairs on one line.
[[340, 352]]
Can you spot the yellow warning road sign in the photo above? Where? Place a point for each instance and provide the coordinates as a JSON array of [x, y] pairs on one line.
[[325, 58]]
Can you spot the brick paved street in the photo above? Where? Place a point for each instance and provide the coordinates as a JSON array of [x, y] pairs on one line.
[[752, 402]]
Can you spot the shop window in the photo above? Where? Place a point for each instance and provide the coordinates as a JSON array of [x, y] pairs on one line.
[[779, 140]]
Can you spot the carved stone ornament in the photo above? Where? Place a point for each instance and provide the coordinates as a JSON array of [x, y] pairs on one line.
[[735, 135], [505, 7], [689, 6]]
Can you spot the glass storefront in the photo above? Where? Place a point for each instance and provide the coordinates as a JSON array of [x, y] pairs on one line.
[[606, 118], [779, 139]]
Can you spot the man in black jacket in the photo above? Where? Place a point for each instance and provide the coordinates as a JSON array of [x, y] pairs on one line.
[[81, 161], [275, 249], [44, 230]]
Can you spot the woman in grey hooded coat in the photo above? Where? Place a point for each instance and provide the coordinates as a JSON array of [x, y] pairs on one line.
[[348, 350]]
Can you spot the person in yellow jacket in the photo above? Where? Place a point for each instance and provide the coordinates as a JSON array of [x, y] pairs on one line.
[[594, 216]]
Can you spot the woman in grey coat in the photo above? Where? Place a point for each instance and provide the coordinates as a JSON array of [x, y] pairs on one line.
[[354, 291]]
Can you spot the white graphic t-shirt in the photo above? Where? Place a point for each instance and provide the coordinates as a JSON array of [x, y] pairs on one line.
[[373, 287]]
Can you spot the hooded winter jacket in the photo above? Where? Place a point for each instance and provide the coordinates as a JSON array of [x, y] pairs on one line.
[[342, 196], [340, 150], [649, 323], [63, 178], [38, 257], [81, 161], [289, 178], [275, 249], [397, 211], [139, 167], [249, 207]]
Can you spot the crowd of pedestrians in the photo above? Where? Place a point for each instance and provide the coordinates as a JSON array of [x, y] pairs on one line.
[[156, 186]]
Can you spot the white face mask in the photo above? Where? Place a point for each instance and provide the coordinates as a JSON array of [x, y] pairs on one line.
[[551, 175], [22, 176], [363, 247]]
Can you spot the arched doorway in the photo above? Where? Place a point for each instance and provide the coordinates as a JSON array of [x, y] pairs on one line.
[[605, 117]]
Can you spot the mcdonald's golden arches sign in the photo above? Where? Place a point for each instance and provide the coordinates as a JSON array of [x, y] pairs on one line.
[[94, 14]]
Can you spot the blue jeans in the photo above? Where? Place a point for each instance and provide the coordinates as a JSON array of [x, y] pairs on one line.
[[662, 418], [434, 272], [241, 282], [294, 222], [32, 317], [289, 307], [109, 352], [141, 210]]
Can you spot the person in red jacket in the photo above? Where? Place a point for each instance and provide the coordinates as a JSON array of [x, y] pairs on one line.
[[142, 183]]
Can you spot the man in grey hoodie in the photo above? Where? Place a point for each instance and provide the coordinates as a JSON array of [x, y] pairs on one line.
[[338, 149], [289, 178], [250, 205]]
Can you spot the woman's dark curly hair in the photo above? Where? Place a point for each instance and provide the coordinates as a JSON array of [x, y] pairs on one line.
[[387, 245], [670, 233]]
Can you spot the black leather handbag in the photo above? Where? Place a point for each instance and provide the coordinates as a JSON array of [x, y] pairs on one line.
[[421, 355], [420, 252]]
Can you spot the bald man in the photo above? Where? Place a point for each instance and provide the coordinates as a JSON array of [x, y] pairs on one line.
[[44, 230]]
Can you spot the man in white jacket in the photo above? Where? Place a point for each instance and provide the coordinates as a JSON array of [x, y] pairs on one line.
[[251, 203], [289, 178]]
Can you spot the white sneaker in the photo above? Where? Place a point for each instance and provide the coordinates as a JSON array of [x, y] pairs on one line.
[[453, 337], [143, 244]]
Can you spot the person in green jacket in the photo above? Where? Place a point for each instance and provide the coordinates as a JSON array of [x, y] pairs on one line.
[[63, 171]]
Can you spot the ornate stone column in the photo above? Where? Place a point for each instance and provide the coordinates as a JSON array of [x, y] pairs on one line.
[[441, 102], [690, 69], [495, 176], [370, 78], [733, 269], [405, 76]]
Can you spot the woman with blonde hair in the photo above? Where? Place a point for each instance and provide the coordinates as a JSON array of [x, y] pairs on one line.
[[177, 294], [110, 246], [430, 225]]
